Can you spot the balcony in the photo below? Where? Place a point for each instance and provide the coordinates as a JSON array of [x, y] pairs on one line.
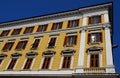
[[94, 70]]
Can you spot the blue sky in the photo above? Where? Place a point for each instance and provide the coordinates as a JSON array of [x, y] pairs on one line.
[[19, 9]]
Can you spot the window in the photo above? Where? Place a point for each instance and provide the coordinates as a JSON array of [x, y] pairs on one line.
[[5, 33], [28, 63], [42, 28], [57, 26], [70, 40], [95, 19], [52, 42], [1, 61], [21, 45], [28, 30], [66, 62], [46, 62], [16, 31], [73, 23], [8, 46], [35, 44], [95, 37], [94, 60], [12, 63]]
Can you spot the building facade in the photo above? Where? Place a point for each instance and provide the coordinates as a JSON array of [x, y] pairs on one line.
[[73, 44]]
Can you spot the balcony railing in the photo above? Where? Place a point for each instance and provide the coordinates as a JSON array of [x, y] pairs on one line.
[[94, 70]]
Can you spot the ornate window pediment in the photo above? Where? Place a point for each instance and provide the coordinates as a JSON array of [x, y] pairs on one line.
[[16, 55], [31, 54], [68, 52], [48, 52], [3, 55], [94, 49]]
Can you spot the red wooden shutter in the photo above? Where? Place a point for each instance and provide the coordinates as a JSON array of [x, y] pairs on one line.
[[69, 24], [35, 44], [89, 38], [99, 18], [1, 61], [77, 21], [89, 20], [60, 26], [45, 27], [65, 40], [24, 44], [75, 41], [53, 27], [100, 37], [39, 28]]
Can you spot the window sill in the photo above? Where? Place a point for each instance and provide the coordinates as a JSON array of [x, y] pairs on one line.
[[19, 49], [51, 47], [69, 45], [33, 48], [94, 43]]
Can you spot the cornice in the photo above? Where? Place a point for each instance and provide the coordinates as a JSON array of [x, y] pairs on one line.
[[54, 32], [35, 19]]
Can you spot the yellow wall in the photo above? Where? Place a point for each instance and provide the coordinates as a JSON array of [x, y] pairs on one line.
[[43, 47]]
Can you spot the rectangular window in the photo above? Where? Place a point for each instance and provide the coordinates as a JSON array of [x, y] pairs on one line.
[[66, 62], [16, 31], [28, 63], [70, 40], [94, 60], [52, 42], [95, 19], [46, 63], [21, 45], [73, 23], [95, 37], [42, 28], [12, 64], [57, 26], [28, 30], [35, 44], [8, 46], [1, 60], [4, 33]]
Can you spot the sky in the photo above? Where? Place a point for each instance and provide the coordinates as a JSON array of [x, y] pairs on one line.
[[19, 9]]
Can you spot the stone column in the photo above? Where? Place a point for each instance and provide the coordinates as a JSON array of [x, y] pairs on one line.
[[109, 58], [80, 65]]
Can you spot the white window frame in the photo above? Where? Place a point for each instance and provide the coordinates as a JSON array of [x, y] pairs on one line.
[[100, 58], [10, 62], [72, 60], [34, 41], [50, 39], [26, 61]]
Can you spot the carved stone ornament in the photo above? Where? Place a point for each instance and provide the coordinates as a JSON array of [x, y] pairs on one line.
[[49, 52], [31, 54], [16, 54], [3, 55], [68, 51]]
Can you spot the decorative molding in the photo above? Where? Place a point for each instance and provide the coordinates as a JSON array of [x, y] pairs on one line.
[[94, 48], [16, 54], [3, 55], [48, 53], [67, 30], [31, 54], [68, 51]]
